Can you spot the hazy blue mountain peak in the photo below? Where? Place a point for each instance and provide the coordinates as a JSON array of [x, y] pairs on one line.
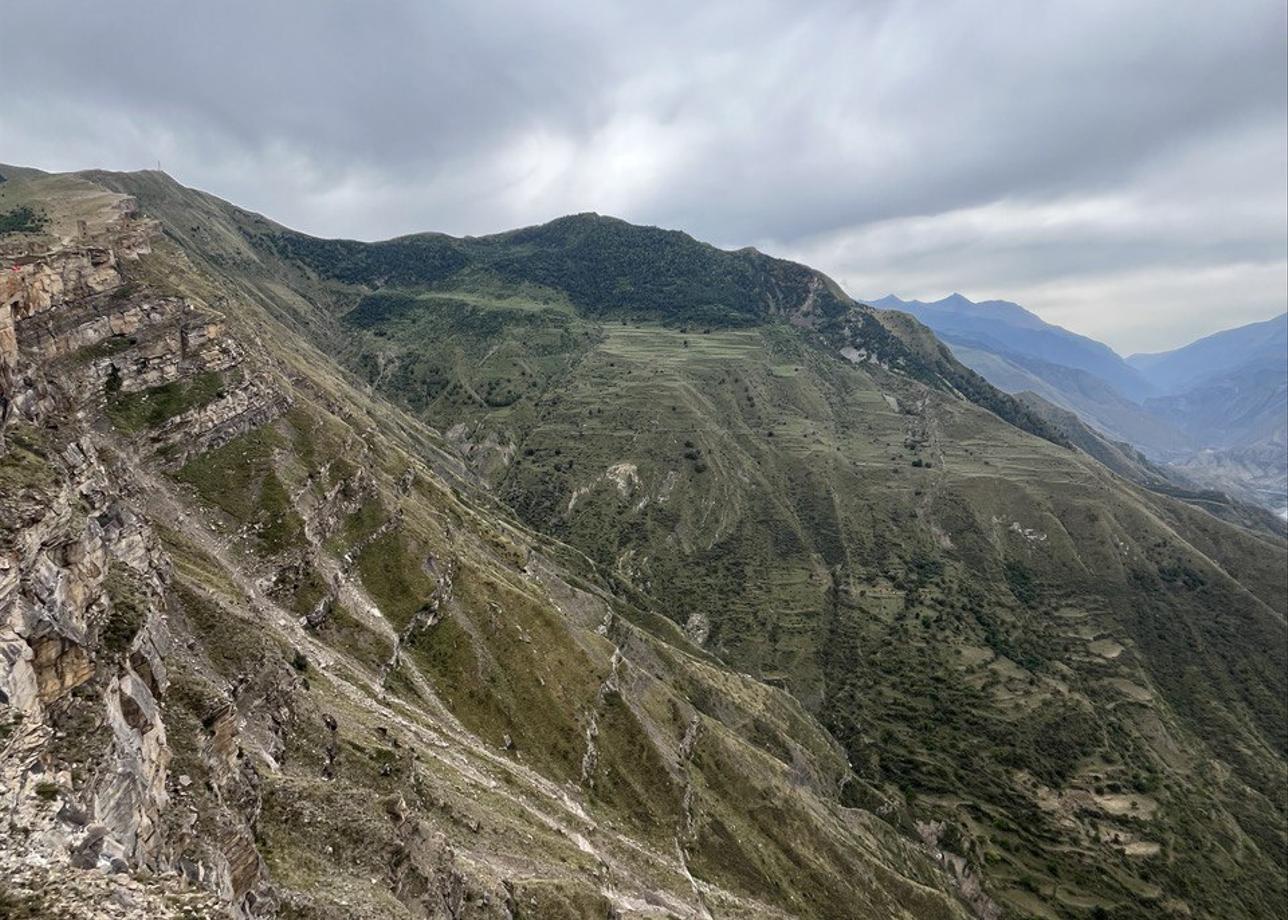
[[1008, 329], [1219, 354]]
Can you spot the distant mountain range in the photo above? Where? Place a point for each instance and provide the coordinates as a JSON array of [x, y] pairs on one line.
[[1233, 351], [1002, 327], [1214, 411]]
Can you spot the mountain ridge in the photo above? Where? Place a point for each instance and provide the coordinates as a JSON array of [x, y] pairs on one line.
[[1004, 326], [937, 663], [1173, 371]]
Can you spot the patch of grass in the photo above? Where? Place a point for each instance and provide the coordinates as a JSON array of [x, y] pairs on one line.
[[25, 464], [129, 611], [343, 631], [392, 575], [105, 348], [194, 564], [630, 776], [233, 647], [514, 671], [359, 525], [280, 527], [299, 588], [239, 478], [22, 219], [149, 408]]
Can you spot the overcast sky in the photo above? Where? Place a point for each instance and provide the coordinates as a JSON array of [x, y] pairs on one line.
[[1121, 168]]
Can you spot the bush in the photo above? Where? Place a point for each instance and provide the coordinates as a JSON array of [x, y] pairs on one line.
[[22, 220]]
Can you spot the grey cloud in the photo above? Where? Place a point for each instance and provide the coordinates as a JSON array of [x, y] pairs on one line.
[[945, 142]]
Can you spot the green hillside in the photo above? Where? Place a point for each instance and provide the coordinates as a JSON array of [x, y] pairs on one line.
[[286, 657], [911, 617], [999, 631]]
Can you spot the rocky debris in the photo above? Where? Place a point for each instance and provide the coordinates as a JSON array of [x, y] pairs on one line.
[[590, 759], [224, 858], [323, 518], [353, 553], [697, 628], [429, 875], [484, 456], [33, 887], [213, 425], [967, 882], [332, 746]]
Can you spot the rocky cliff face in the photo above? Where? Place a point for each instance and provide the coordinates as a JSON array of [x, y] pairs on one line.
[[85, 587]]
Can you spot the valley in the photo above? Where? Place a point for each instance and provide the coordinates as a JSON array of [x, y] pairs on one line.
[[1213, 414]]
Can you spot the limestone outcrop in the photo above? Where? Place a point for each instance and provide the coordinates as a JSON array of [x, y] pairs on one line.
[[85, 587]]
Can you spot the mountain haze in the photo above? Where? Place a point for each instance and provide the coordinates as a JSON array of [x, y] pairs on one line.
[[1007, 328], [1216, 355], [1213, 412]]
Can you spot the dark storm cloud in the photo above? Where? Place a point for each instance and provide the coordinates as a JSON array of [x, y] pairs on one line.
[[1105, 163]]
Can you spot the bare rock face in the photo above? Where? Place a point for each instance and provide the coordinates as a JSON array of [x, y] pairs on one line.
[[35, 291], [84, 585], [237, 411], [55, 565], [54, 617], [41, 281], [60, 665], [8, 335]]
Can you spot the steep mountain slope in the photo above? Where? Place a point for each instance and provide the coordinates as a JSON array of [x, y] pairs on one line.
[[1070, 687], [1025, 658], [1080, 392], [1244, 408], [1229, 394], [1255, 345], [1134, 466], [265, 646]]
